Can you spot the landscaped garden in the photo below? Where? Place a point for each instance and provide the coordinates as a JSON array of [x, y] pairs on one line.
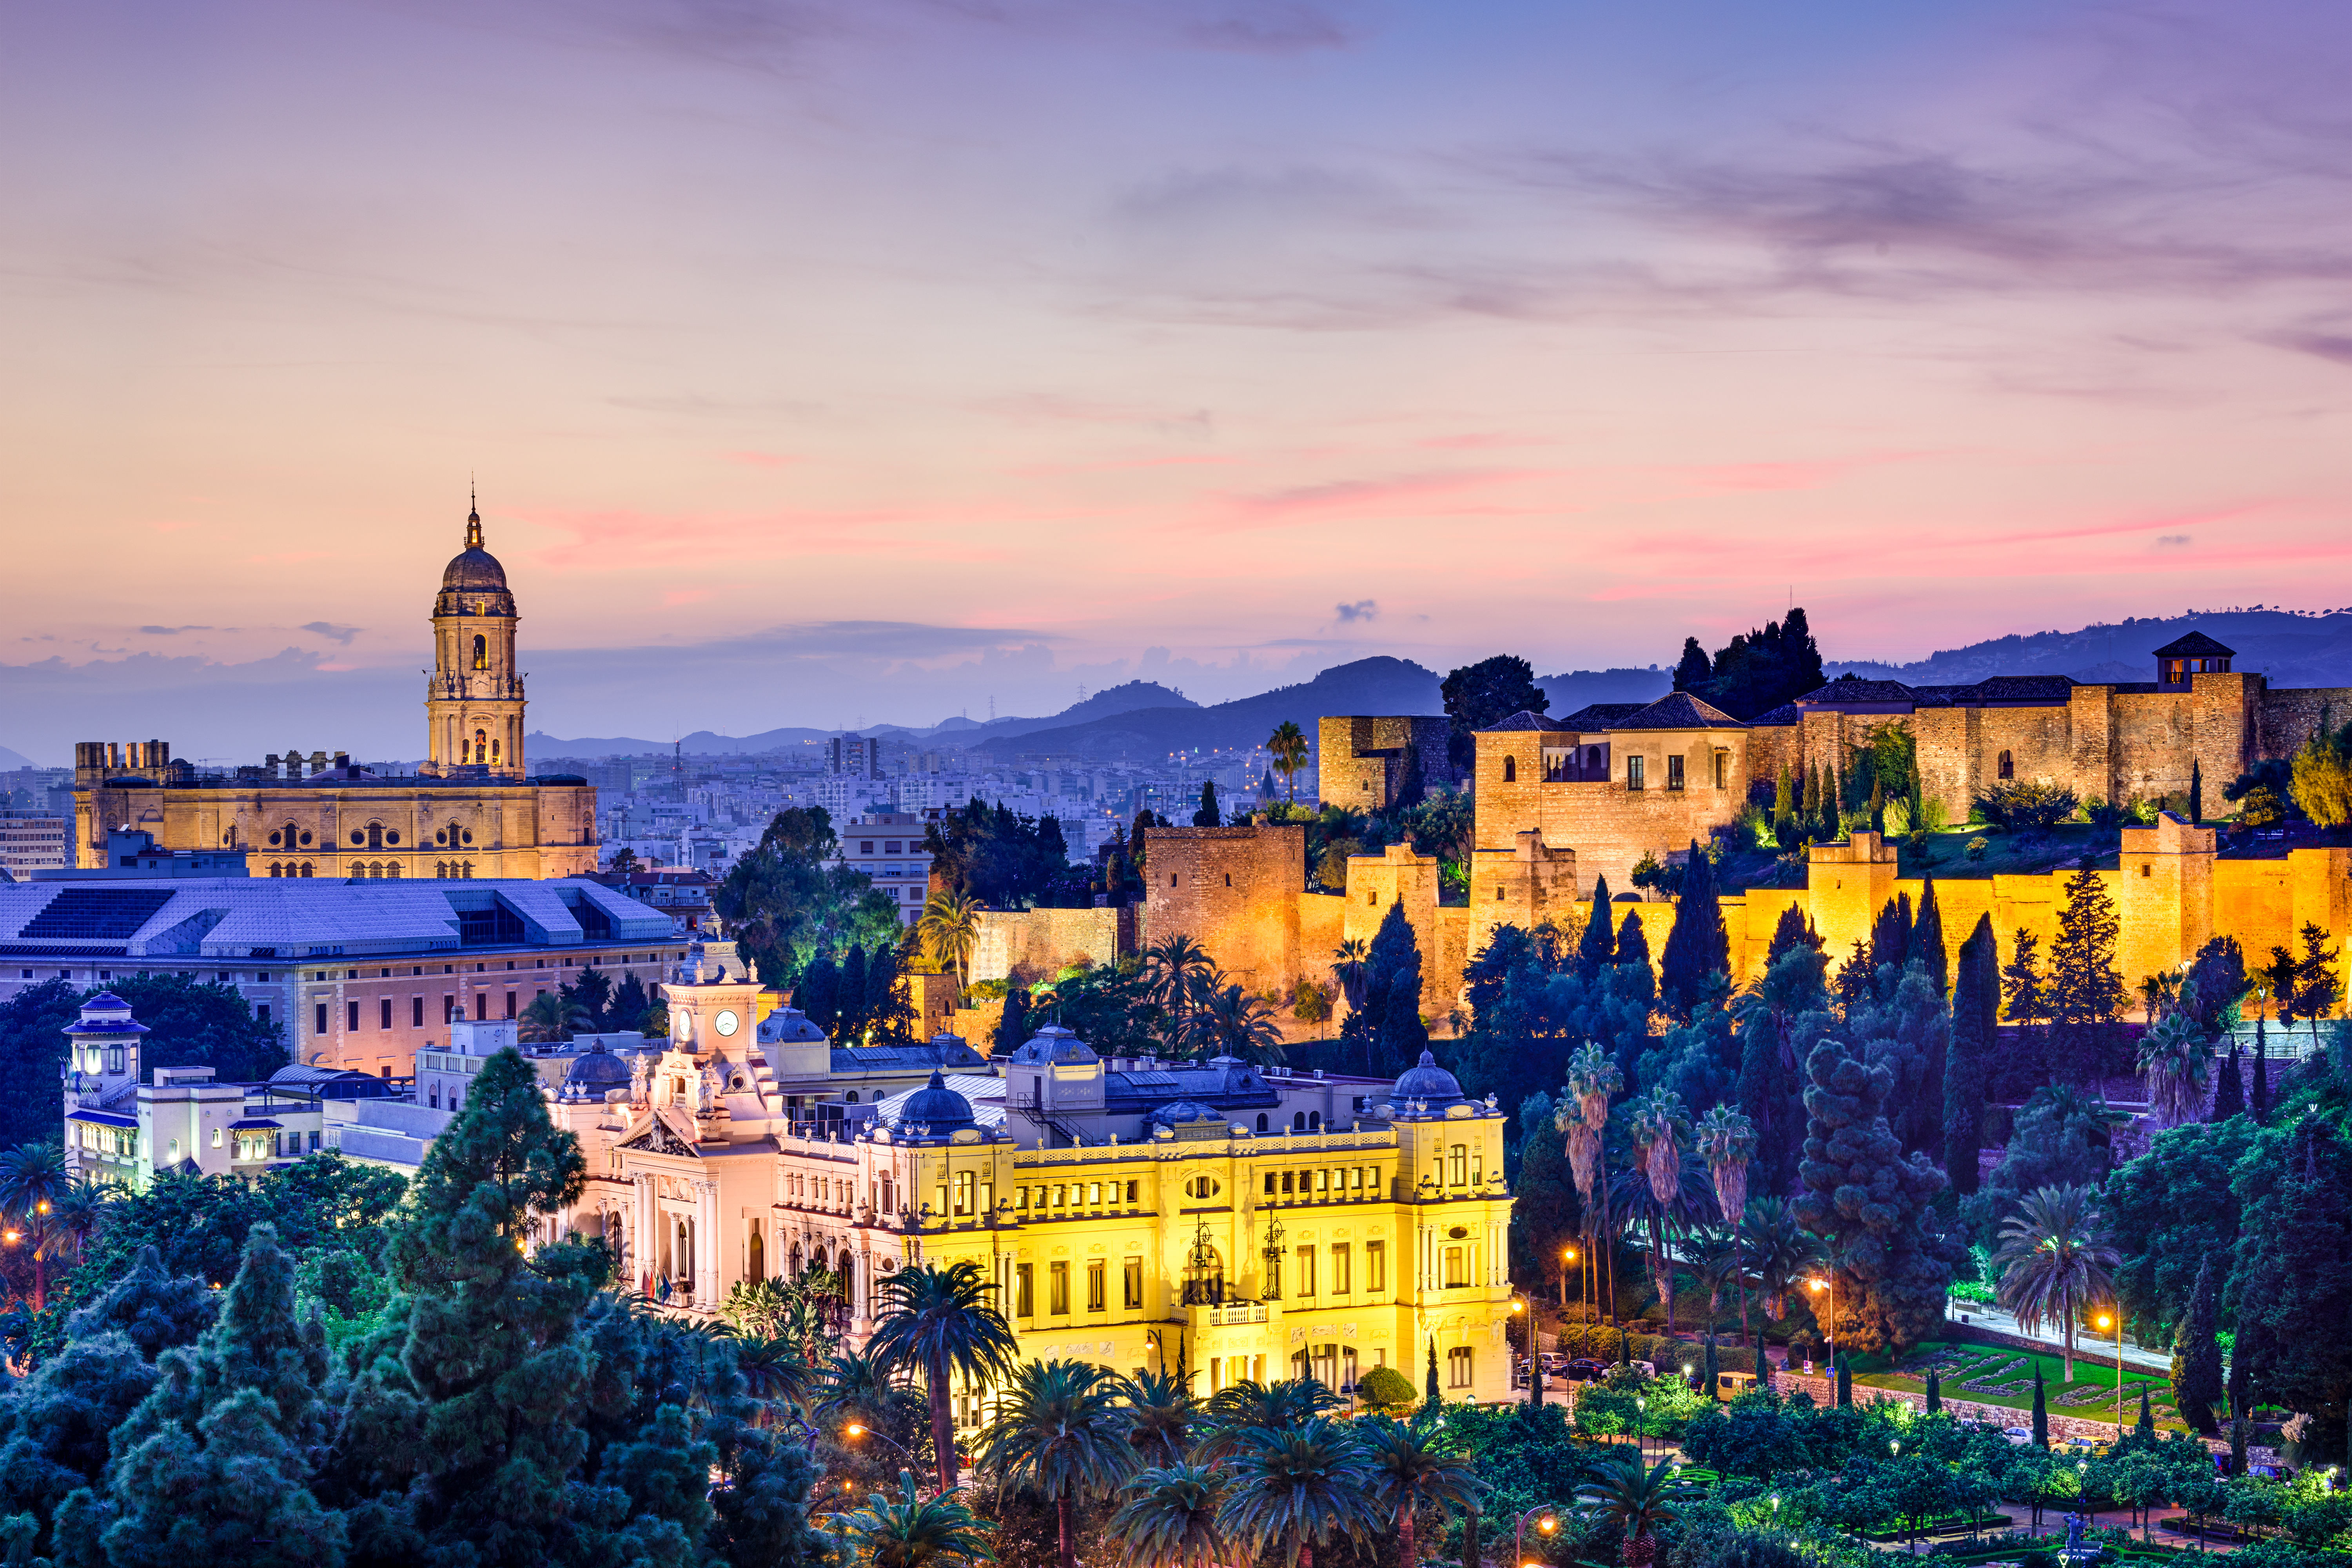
[[1994, 1374]]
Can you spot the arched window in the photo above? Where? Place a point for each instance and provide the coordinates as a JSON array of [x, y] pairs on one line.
[[375, 835], [481, 745], [481, 652], [493, 750], [757, 1265], [850, 1099], [1510, 770], [2007, 766], [391, 871], [1260, 1121], [305, 867]]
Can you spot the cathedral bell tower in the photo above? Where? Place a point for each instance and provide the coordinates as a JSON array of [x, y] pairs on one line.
[[474, 701]]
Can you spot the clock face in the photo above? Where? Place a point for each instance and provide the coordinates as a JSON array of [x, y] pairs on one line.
[[726, 1021]]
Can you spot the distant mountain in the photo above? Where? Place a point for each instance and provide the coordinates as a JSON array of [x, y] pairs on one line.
[[2292, 649], [702, 743], [1572, 690], [1380, 684], [10, 760]]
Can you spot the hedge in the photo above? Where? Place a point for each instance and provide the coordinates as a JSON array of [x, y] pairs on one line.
[[1599, 1342]]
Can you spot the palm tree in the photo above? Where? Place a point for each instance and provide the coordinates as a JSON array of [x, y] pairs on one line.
[[1159, 1417], [77, 1213], [1058, 1429], [1351, 967], [2054, 1259], [1635, 1499], [1779, 1254], [1239, 1408], [1300, 1488], [1583, 1116], [853, 1387], [32, 1180], [912, 1531], [548, 1018], [1288, 746], [2176, 1058], [1657, 1126], [939, 1322], [1410, 1474], [949, 931], [1715, 1258], [773, 1371], [1174, 967], [1169, 1518], [1231, 1022], [1726, 1141]]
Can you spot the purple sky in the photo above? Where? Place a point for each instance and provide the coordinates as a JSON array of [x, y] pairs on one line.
[[872, 360]]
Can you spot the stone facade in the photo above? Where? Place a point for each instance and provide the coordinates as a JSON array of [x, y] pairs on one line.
[[1236, 890], [1035, 944], [1359, 759]]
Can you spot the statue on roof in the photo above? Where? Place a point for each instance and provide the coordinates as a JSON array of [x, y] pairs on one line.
[[640, 1075]]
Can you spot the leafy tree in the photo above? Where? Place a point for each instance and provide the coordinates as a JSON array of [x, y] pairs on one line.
[[1694, 670], [1478, 695], [2289, 1292], [789, 898], [939, 1322], [1057, 1429], [2168, 1211], [1976, 1007], [1760, 670], [2086, 993], [2316, 988], [1009, 861], [2322, 777], [1698, 945], [2055, 1258], [2026, 804], [1893, 1258], [2216, 984], [1207, 813]]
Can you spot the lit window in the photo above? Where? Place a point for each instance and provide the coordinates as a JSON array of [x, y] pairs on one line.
[[1675, 772], [1634, 771]]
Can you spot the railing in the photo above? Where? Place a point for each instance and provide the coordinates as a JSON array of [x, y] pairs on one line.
[[1232, 1312]]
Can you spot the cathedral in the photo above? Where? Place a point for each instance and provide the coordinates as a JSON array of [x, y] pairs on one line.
[[473, 810]]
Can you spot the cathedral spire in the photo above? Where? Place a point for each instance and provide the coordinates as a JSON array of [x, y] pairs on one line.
[[473, 516]]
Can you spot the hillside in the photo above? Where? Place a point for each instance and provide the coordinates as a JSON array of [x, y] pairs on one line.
[[2292, 649], [1380, 684]]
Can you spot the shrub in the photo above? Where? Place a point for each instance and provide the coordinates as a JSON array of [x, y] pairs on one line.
[[1386, 1388], [2260, 808], [1976, 847], [2027, 804]]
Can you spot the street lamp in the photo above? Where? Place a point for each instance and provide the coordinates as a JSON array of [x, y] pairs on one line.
[[1567, 1262], [1829, 1324], [1535, 1369], [2120, 1369], [1547, 1524], [856, 1430], [1642, 1423]]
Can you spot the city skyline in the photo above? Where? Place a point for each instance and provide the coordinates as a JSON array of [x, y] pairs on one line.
[[821, 365]]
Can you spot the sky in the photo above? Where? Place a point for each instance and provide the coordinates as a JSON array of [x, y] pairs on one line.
[[846, 362]]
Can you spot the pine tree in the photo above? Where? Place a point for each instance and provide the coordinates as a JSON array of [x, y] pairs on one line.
[[2040, 1409], [1697, 946], [1207, 815], [1784, 811], [1388, 1029], [1633, 945], [2230, 1087], [1976, 1003], [1788, 931], [762, 1513], [1927, 940], [2196, 791], [1597, 946], [2085, 992]]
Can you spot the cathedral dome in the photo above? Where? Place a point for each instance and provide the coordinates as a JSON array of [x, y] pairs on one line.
[[474, 570], [596, 1069]]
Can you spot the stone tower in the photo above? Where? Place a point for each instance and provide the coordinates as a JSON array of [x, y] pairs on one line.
[[474, 703]]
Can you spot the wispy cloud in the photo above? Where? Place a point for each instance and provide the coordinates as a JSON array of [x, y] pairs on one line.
[[1362, 610], [332, 631]]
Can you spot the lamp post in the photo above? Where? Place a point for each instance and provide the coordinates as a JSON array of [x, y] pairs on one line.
[[1546, 1525], [1641, 1424], [855, 1430], [2120, 1369], [1829, 1324], [1567, 1262], [1535, 1368]]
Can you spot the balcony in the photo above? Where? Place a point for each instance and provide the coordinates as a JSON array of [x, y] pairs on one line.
[[1230, 1313]]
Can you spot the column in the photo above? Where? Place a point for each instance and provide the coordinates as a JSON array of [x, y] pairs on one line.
[[705, 1249]]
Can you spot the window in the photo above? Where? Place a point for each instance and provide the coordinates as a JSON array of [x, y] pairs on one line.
[[1131, 1190], [1457, 1267], [1098, 1290], [1024, 1292], [1457, 1159], [1510, 770], [1722, 769], [1634, 771], [416, 1011], [1340, 1284], [384, 1015], [1057, 1289], [1376, 1265], [961, 1204], [1673, 771], [1134, 1297], [1286, 1182], [1457, 1367], [321, 1020], [351, 1016], [510, 1004], [481, 653], [2008, 766], [1307, 1271]]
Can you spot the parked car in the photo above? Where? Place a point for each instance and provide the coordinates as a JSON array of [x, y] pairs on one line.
[[2019, 1436], [1584, 1370]]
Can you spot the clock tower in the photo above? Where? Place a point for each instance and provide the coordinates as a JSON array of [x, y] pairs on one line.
[[474, 703]]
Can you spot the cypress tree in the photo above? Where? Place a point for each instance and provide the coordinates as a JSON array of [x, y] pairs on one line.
[[1712, 1371], [2146, 1426], [1789, 930], [1828, 825], [1927, 940], [2041, 1410], [1208, 815], [2230, 1087], [1976, 1007], [850, 996], [1784, 811], [1429, 1389], [1012, 1028], [1890, 934], [1697, 945], [1844, 1382], [2262, 1073], [1632, 946], [818, 992], [1935, 1392], [2196, 791], [2241, 1408], [1809, 810], [1877, 805], [1597, 946]]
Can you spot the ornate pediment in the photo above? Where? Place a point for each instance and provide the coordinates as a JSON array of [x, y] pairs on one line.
[[658, 1134]]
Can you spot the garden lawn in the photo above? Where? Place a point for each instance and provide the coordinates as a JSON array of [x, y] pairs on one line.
[[2009, 1374]]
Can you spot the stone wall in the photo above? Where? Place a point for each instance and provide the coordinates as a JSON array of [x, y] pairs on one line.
[[1035, 943], [2285, 719], [1235, 890], [1608, 826], [1360, 757]]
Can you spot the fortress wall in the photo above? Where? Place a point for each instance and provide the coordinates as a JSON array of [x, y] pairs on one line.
[[2283, 720], [1770, 748], [2226, 707], [1232, 890], [1039, 942], [1322, 918], [2155, 737]]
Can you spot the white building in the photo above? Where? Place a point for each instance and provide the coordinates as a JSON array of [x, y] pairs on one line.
[[32, 841], [888, 846]]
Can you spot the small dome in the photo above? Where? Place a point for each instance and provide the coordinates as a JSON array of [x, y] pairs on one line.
[[1183, 1113], [1426, 1080], [936, 1106], [475, 571], [595, 1070], [788, 1025], [1057, 1046]]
